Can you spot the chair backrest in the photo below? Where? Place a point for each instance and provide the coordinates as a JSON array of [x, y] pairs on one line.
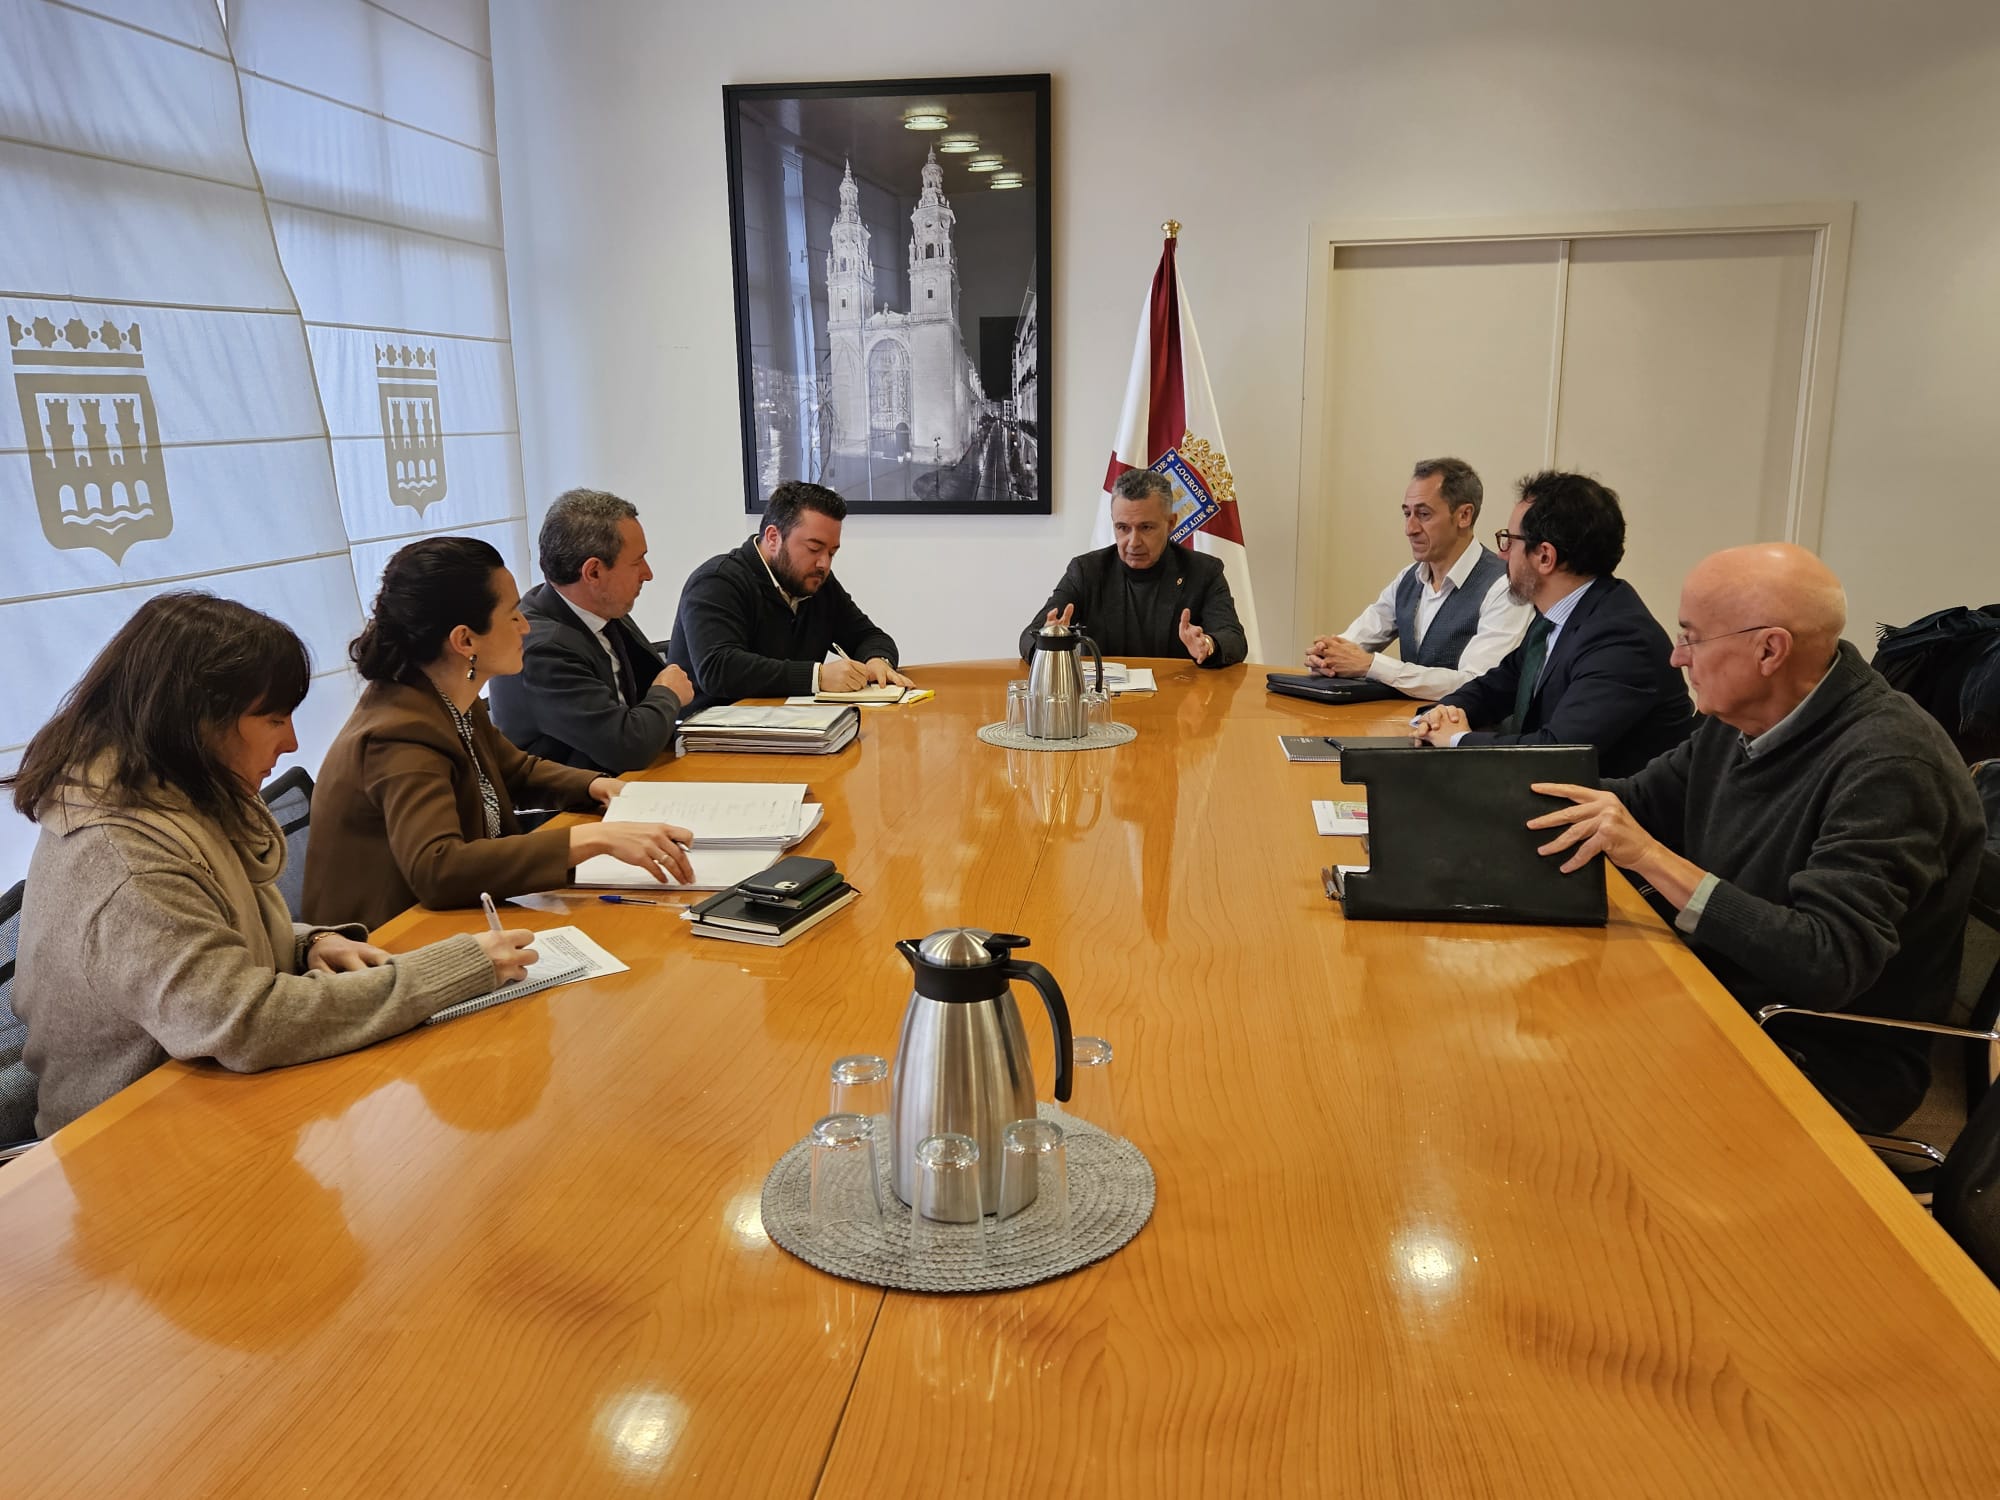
[[290, 799], [1986, 781], [1966, 1201], [17, 1084]]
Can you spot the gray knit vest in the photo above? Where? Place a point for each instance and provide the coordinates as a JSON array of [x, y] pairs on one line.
[[1457, 619]]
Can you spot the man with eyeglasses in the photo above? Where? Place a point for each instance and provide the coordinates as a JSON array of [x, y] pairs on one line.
[[1817, 838], [1594, 667], [1451, 609]]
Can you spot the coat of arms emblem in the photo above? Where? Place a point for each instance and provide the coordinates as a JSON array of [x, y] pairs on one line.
[[406, 381], [94, 442], [1201, 483]]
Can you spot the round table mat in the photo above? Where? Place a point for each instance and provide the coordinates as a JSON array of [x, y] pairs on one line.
[[1110, 1200], [1099, 737]]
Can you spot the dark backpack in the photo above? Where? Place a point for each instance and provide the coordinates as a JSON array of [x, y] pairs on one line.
[[1950, 663]]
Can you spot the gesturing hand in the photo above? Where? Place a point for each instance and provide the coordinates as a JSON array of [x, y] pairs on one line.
[[1436, 726], [1062, 619], [1198, 642], [1598, 823]]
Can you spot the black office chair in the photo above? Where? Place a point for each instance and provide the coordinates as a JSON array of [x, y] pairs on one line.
[[290, 799], [1986, 781], [1962, 1086], [17, 1084]]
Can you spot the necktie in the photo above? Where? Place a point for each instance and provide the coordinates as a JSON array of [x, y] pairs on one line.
[[1535, 651], [618, 673]]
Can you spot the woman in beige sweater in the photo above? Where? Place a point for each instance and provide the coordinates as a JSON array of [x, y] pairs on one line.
[[153, 926]]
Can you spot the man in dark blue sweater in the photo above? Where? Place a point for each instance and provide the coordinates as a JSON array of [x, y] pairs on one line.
[[758, 622], [1817, 836]]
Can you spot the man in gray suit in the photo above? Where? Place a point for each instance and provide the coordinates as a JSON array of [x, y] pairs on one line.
[[1450, 608], [592, 691]]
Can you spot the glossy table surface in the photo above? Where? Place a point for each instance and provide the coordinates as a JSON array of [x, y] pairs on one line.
[[1442, 1210]]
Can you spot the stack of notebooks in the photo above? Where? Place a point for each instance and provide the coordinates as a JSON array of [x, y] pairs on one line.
[[739, 828], [772, 908], [772, 729]]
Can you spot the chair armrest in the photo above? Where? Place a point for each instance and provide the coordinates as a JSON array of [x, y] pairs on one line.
[[11, 1149], [1771, 1012]]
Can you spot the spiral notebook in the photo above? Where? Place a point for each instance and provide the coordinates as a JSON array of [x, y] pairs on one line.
[[562, 956]]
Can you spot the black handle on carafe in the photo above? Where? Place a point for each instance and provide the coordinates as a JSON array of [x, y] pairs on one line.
[[1052, 997]]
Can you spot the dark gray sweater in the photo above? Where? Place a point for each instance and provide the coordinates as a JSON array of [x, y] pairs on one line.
[[1846, 852]]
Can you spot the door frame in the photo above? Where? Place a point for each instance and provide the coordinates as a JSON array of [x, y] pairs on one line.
[[1830, 223]]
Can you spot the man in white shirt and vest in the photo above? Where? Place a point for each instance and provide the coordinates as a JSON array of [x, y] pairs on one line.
[[1450, 608]]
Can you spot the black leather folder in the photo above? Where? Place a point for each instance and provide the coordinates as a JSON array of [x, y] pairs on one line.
[[1448, 839], [1327, 689]]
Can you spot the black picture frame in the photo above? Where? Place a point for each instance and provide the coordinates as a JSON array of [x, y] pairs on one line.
[[845, 374]]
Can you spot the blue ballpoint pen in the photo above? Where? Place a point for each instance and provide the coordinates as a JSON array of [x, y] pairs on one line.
[[628, 901]]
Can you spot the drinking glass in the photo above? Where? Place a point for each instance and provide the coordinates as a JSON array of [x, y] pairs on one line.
[[948, 1215], [1090, 1084], [1035, 1159], [1096, 709], [1017, 704], [861, 1087], [846, 1181]]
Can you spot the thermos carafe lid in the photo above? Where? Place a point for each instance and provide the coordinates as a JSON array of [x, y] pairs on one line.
[[959, 948]]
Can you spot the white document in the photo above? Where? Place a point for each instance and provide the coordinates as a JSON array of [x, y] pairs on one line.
[[1348, 818], [717, 813], [563, 955], [717, 866], [1120, 678], [805, 718]]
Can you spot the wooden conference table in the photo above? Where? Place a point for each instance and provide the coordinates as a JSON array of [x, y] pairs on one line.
[[1442, 1210]]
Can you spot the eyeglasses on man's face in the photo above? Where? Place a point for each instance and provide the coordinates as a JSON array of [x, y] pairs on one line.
[[1686, 642], [1503, 539]]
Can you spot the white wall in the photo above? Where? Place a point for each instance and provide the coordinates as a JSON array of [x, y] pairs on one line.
[[1247, 122]]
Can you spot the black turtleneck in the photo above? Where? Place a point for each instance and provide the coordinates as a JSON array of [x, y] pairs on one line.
[[1137, 611]]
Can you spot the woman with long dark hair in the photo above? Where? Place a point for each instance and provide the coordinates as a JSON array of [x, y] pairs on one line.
[[153, 926], [416, 799]]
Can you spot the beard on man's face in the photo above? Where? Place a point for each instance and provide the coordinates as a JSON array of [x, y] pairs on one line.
[[791, 580]]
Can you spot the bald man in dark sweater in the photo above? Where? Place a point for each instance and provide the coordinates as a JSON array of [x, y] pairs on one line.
[[1817, 836]]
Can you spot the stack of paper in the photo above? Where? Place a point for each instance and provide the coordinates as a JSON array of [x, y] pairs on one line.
[[1119, 678], [781, 729], [739, 828]]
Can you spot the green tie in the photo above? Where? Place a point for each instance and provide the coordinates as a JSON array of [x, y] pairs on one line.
[[1535, 652]]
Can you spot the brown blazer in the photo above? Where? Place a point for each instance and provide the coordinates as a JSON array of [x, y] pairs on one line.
[[396, 817]]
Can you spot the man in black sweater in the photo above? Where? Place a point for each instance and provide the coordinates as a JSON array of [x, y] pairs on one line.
[[1146, 595], [1817, 836], [758, 622]]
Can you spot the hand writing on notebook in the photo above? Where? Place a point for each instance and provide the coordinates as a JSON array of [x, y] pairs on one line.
[[845, 676], [660, 849], [509, 950]]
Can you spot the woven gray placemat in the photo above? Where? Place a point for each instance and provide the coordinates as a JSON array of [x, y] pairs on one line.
[[1099, 737], [1110, 1200]]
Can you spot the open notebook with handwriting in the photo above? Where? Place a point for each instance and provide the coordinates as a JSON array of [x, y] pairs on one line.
[[562, 955]]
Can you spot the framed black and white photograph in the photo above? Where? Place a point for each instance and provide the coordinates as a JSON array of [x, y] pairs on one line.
[[891, 245]]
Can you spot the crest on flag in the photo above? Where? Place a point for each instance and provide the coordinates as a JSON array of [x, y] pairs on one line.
[[100, 479], [406, 381], [1201, 483]]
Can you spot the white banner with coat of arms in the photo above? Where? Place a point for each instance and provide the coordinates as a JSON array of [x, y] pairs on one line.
[[255, 315], [372, 127], [165, 431]]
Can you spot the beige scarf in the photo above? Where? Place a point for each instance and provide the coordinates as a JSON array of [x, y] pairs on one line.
[[243, 873]]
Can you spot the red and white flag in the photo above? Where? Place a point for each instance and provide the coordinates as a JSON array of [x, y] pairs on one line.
[[1170, 424]]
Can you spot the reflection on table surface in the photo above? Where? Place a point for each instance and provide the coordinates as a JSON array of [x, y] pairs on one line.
[[1442, 1210]]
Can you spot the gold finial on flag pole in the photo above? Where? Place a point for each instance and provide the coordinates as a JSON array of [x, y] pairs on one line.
[[1172, 228]]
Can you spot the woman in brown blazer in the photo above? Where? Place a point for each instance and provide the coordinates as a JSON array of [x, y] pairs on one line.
[[416, 798]]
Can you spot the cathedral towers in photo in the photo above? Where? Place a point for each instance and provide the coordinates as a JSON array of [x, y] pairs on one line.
[[901, 380]]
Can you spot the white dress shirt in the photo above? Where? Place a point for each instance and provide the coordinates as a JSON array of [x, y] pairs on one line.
[[1501, 624], [596, 625]]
